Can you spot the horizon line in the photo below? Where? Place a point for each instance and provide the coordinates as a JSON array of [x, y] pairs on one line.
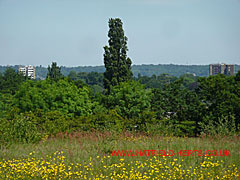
[[131, 65]]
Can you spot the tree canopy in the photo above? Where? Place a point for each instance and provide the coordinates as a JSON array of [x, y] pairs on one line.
[[62, 95]]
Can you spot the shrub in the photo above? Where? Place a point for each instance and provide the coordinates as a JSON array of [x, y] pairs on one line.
[[105, 121], [225, 126], [21, 129]]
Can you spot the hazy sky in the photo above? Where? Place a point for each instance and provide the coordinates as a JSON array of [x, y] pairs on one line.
[[73, 32]]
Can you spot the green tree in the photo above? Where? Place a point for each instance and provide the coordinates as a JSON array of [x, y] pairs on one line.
[[117, 64], [177, 105], [221, 96], [130, 99], [62, 96], [10, 81], [54, 72]]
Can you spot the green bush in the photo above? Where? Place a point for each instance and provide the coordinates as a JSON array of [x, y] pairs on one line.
[[105, 121], [163, 127], [54, 122], [21, 129], [225, 126]]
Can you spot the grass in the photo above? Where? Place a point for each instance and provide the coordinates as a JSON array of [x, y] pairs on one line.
[[89, 155]]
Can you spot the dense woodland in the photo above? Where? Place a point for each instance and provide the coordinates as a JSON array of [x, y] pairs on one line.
[[116, 100]]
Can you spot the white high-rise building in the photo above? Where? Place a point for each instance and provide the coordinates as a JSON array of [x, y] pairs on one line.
[[27, 71]]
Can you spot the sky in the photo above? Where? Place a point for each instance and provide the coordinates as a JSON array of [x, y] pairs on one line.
[[74, 32]]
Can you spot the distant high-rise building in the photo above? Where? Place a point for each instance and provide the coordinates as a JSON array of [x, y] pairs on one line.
[[27, 71], [227, 69]]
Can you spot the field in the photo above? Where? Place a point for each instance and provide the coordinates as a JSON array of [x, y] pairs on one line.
[[89, 155]]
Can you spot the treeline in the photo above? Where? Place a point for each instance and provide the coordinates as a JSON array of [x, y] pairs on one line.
[[95, 80], [181, 106], [143, 70]]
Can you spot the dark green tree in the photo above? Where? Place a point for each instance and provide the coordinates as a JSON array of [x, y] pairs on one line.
[[10, 81], [54, 72], [237, 77], [221, 96], [132, 102], [117, 64], [175, 104]]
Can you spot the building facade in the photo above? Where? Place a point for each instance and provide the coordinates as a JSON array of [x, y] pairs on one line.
[[27, 71], [227, 69]]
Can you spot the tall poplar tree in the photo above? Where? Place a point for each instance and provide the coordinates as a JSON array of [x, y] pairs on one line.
[[117, 64]]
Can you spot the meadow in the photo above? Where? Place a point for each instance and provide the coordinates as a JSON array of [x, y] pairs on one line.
[[88, 155]]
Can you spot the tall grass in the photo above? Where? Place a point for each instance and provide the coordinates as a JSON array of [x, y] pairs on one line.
[[80, 146]]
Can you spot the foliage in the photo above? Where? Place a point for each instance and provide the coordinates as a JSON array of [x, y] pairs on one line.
[[29, 127], [156, 81], [10, 81], [102, 121], [19, 129], [167, 105], [179, 105], [118, 66], [54, 72], [189, 81], [162, 127], [225, 126], [5, 103], [129, 99], [92, 78], [221, 96], [63, 96], [52, 122]]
